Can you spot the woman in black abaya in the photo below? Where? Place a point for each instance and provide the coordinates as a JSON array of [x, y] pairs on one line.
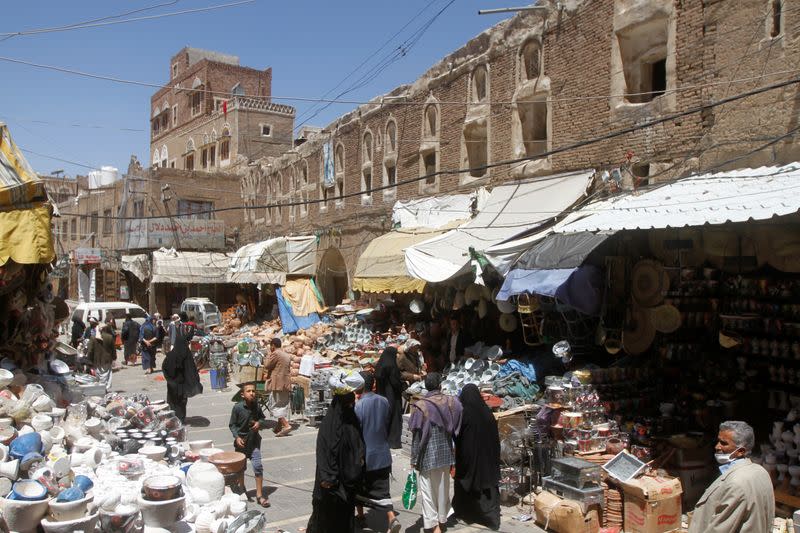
[[390, 385], [180, 372], [340, 463], [477, 496]]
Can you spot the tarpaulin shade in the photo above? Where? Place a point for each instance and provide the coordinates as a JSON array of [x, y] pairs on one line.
[[510, 210], [382, 266], [245, 268], [190, 267], [579, 288], [25, 236], [291, 323], [19, 184], [432, 212], [294, 256], [301, 295], [138, 265], [560, 251]]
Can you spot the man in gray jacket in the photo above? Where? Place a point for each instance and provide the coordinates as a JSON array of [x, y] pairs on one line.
[[741, 499]]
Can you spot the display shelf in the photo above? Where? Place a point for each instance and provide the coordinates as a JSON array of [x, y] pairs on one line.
[[787, 499]]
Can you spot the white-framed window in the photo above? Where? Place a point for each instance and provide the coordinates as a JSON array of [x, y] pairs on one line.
[[174, 115], [164, 156], [324, 192], [304, 188], [225, 144], [218, 104], [643, 50], [265, 129], [475, 132], [479, 85], [367, 149], [339, 172], [174, 71], [277, 213], [775, 19], [196, 101], [529, 60], [237, 90]]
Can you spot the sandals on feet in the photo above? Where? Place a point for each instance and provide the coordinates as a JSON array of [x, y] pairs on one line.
[[264, 502]]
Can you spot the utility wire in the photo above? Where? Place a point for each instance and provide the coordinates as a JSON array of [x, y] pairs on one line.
[[587, 142], [93, 24]]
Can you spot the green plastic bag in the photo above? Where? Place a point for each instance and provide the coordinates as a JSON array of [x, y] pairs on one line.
[[410, 492]]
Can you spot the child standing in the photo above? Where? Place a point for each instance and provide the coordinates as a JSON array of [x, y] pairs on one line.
[[247, 419]]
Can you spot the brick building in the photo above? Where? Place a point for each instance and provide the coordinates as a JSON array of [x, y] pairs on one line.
[[216, 114], [531, 84]]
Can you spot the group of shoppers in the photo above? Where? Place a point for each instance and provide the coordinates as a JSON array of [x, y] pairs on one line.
[[452, 437]]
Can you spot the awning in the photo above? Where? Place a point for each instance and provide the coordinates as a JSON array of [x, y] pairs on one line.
[[138, 265], [26, 236], [19, 184], [731, 196], [510, 211], [291, 256], [170, 266], [561, 251], [434, 211], [580, 288], [382, 266], [244, 266], [25, 233]]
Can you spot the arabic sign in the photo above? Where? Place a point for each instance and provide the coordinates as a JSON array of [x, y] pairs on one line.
[[182, 234], [87, 256]]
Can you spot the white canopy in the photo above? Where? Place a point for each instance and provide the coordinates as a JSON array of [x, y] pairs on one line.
[[510, 210], [170, 266], [272, 260]]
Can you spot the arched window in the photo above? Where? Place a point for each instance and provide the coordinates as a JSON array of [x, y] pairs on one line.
[[277, 214], [188, 160], [164, 156], [480, 84], [429, 148], [431, 121], [390, 159], [390, 144], [190, 145], [367, 148], [225, 144], [530, 60], [339, 166]]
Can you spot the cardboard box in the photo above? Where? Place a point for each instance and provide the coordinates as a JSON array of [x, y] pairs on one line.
[[564, 516], [652, 504]]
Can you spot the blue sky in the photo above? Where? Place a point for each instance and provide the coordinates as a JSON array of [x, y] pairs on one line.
[[310, 46]]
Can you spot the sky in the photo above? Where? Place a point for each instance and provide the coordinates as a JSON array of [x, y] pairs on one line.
[[310, 45]]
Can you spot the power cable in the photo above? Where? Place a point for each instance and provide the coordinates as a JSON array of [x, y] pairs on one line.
[[81, 26], [587, 142]]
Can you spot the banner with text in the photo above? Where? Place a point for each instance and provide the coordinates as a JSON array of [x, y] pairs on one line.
[[181, 234]]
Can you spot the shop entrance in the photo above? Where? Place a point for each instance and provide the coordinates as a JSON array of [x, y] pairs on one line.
[[332, 277]]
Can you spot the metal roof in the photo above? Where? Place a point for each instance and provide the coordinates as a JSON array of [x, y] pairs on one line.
[[731, 196]]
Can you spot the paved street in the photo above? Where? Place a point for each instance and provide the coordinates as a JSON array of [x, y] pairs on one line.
[[288, 461]]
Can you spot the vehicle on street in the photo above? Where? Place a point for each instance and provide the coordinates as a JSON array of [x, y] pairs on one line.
[[103, 310], [202, 311]]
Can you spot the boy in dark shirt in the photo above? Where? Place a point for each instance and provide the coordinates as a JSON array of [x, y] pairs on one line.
[[247, 419]]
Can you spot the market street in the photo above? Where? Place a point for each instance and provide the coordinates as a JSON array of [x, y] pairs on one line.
[[288, 461]]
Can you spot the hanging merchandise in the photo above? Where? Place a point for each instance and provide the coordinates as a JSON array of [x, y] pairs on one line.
[[639, 333], [508, 322], [665, 318], [649, 283]]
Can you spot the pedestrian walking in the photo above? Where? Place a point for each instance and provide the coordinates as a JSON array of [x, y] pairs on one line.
[[247, 419], [390, 385], [130, 339], [101, 354], [373, 412], [435, 420], [172, 330], [180, 373], [76, 334], [279, 385], [340, 460], [476, 495], [148, 337]]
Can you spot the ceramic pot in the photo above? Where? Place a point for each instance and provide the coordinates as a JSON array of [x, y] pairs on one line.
[[63, 511], [84, 524], [614, 446], [25, 444], [154, 453], [41, 422], [28, 490], [120, 520], [206, 453], [208, 482], [22, 516], [161, 488], [10, 469], [229, 462], [162, 514]]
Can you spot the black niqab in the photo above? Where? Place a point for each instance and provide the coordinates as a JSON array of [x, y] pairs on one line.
[[478, 443], [389, 384], [340, 450], [180, 370]]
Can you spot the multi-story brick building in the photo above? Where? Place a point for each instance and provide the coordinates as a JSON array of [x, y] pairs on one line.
[[540, 89], [216, 114]]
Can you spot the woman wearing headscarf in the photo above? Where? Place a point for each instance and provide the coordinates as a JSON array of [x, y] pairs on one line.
[[390, 385], [180, 372], [477, 497], [340, 460]]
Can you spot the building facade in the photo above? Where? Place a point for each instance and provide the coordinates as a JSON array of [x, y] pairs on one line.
[[568, 88], [216, 114]]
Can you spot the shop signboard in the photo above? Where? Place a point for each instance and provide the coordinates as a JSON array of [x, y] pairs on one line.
[[182, 234], [87, 256]]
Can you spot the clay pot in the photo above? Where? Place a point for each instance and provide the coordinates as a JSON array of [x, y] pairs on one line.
[[161, 488], [614, 446], [162, 514], [229, 462], [23, 516], [63, 511], [84, 524]]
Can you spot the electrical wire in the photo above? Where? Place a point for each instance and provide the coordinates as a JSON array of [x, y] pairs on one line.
[[100, 22]]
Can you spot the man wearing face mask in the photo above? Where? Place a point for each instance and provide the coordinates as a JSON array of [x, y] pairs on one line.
[[741, 499]]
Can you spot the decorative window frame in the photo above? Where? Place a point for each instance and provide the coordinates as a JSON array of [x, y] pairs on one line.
[[261, 129], [340, 175], [478, 117], [390, 153], [367, 165]]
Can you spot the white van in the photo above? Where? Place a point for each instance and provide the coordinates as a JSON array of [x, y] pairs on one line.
[[103, 310], [201, 311]]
